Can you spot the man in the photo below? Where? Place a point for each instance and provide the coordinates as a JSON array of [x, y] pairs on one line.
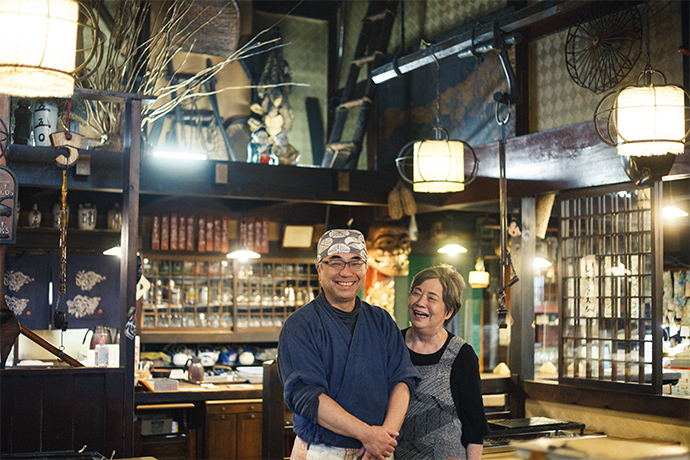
[[346, 371]]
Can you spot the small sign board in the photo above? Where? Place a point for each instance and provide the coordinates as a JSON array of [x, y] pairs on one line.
[[8, 206]]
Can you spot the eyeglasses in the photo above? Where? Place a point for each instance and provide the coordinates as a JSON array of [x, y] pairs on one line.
[[339, 265]]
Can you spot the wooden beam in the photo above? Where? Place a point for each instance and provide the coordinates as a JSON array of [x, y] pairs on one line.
[[560, 159]]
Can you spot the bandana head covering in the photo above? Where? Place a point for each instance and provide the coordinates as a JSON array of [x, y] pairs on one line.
[[341, 241]]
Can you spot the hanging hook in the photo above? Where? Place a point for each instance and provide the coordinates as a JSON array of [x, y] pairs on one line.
[[513, 95]]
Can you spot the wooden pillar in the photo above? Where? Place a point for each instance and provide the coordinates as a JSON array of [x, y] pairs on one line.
[[9, 327], [522, 298]]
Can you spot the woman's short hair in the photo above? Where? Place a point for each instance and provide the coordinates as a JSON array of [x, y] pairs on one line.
[[451, 281]]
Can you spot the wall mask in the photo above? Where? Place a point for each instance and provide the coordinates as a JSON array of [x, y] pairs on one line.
[[388, 245]]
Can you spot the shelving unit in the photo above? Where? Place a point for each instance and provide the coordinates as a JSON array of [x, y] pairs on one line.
[[114, 176], [212, 299]]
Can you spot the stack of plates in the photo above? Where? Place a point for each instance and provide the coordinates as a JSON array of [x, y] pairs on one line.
[[253, 374]]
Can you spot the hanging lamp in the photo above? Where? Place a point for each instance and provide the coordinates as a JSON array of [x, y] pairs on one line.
[[645, 119], [452, 249], [39, 39], [479, 277], [243, 253], [438, 164], [671, 211]]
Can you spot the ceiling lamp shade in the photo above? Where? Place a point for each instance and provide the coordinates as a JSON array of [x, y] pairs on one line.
[[645, 119], [37, 55], [479, 278], [439, 166], [452, 249], [651, 120], [243, 254], [673, 212], [540, 262], [438, 163]]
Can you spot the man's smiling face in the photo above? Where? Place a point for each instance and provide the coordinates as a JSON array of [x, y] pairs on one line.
[[342, 285]]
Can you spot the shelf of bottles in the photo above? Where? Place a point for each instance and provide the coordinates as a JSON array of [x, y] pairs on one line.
[[215, 293]]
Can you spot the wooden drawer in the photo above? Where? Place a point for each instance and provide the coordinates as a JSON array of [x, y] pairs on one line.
[[236, 406]]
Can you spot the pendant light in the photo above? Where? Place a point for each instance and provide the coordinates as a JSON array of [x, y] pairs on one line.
[[452, 249], [243, 253], [479, 277], [39, 39], [645, 119], [438, 164], [671, 211]]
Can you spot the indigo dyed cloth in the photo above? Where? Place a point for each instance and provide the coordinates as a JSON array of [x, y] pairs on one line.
[[358, 370]]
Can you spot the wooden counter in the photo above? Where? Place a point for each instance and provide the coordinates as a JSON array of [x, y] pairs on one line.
[[210, 420], [190, 392]]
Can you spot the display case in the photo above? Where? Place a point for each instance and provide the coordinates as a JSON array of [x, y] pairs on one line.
[[213, 299]]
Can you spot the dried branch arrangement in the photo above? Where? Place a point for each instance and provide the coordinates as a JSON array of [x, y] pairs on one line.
[[135, 65]]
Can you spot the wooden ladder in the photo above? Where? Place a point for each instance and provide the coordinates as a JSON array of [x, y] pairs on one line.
[[371, 50]]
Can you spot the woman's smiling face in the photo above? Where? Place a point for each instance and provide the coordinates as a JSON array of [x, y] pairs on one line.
[[426, 308]]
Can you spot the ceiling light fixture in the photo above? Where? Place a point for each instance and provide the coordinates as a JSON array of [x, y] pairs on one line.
[[114, 251], [452, 249], [39, 46], [673, 212], [438, 164], [180, 155], [670, 211], [243, 253], [644, 119], [540, 262]]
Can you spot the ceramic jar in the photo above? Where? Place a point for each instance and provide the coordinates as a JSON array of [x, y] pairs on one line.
[[57, 215], [35, 217], [87, 216], [115, 218]]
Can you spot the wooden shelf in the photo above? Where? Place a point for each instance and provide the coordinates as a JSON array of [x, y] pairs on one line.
[[210, 299], [49, 238]]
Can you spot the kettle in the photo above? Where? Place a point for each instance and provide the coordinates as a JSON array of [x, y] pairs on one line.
[[195, 371]]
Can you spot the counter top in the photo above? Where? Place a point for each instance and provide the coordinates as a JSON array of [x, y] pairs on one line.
[[190, 392]]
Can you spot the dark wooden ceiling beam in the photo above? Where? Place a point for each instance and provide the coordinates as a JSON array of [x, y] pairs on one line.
[[559, 159]]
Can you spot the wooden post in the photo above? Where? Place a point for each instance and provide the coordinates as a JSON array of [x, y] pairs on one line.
[[9, 325]]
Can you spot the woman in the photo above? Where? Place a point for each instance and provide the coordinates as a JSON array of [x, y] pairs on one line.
[[446, 415]]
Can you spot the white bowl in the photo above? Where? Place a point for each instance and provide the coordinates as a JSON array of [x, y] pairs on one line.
[[253, 374]]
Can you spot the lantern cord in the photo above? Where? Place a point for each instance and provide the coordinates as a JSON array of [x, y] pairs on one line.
[[647, 40], [437, 69]]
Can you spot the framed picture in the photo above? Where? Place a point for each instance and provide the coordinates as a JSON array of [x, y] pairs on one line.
[[298, 236]]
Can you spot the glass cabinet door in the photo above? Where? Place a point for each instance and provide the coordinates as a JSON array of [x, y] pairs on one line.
[[218, 294]]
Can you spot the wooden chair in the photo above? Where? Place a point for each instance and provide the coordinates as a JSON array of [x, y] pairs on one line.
[[276, 434]]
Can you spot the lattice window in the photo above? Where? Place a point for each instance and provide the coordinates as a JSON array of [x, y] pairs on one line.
[[606, 314]]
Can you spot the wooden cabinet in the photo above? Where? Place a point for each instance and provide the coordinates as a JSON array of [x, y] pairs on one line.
[[164, 431], [233, 429], [210, 298]]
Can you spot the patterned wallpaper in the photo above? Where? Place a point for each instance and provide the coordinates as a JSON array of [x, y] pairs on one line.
[[556, 100]]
